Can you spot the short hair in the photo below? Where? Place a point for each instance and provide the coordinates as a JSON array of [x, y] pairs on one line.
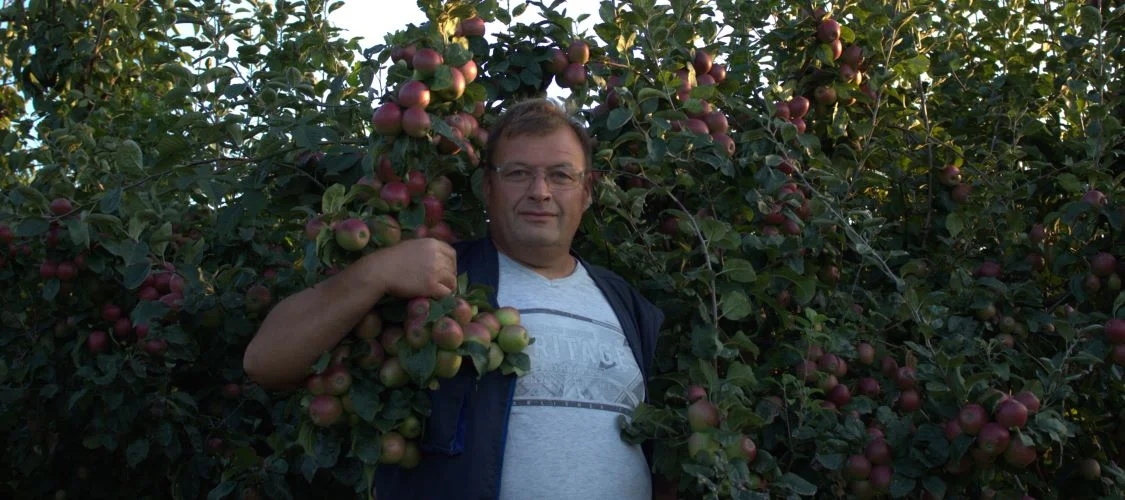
[[536, 117]]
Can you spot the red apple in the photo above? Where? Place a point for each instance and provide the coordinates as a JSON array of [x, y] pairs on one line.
[[878, 452], [97, 342], [426, 61], [557, 62], [325, 410], [473, 26], [388, 119], [828, 30], [447, 333], [60, 206], [1115, 331], [702, 62], [993, 438], [414, 93], [578, 52], [396, 195], [972, 418], [702, 415], [416, 122]]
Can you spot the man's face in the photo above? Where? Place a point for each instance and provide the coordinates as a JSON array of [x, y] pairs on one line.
[[529, 193]]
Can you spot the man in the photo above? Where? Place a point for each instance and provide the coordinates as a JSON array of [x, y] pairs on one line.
[[555, 432]]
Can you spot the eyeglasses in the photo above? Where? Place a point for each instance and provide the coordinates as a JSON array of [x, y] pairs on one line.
[[558, 178]]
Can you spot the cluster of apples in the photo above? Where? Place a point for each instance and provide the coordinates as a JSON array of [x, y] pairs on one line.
[[430, 344], [703, 118], [703, 419], [384, 199], [433, 82], [569, 67]]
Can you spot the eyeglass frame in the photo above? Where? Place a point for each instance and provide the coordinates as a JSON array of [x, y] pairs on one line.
[[545, 172]]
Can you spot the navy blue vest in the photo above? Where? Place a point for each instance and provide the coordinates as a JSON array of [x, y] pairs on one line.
[[463, 443]]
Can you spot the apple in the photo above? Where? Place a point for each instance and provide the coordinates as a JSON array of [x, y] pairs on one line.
[[478, 333], [513, 339], [798, 107], [110, 312], [725, 143], [447, 333], [258, 298], [853, 56], [1037, 234], [325, 410], [462, 311], [865, 353], [909, 400], [454, 91], [156, 347], [1090, 469], [508, 316], [404, 54], [578, 52], [718, 72], [389, 339], [393, 447], [695, 393], [414, 93], [418, 307], [385, 230], [716, 122], [1094, 197], [557, 61], [702, 415], [950, 175], [490, 321], [141, 331], [391, 374], [66, 271], [1029, 400], [388, 119], [828, 30], [352, 234], [417, 332], [847, 73], [878, 452], [1115, 331], [840, 395], [800, 124], [868, 386], [372, 354], [744, 448], [60, 206], [993, 438], [857, 467], [807, 370], [989, 269], [881, 478], [337, 380], [369, 326], [781, 110], [1011, 413], [905, 377], [574, 75], [441, 187], [1103, 264], [826, 384], [97, 342], [825, 95], [411, 427], [426, 61], [48, 270], [448, 364], [952, 429], [442, 232], [960, 193], [416, 122], [702, 62], [473, 26], [1019, 454], [972, 418], [396, 195]]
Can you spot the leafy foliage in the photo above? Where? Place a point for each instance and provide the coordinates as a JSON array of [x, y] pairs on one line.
[[947, 226]]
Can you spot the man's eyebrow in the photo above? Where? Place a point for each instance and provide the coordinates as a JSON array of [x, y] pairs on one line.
[[565, 164]]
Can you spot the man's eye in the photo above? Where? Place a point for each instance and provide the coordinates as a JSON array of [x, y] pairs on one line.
[[517, 174], [562, 177]]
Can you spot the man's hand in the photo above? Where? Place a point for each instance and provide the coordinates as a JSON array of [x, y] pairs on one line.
[[418, 268]]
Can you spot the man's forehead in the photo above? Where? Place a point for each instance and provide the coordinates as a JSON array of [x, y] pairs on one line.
[[517, 163]]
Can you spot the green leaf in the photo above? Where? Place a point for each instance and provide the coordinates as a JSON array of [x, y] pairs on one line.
[[734, 305], [705, 341], [135, 274], [954, 224], [935, 485], [137, 452], [420, 364], [518, 363], [31, 227], [222, 490], [831, 461], [1069, 182], [618, 118], [51, 289], [129, 156], [111, 200], [740, 270], [901, 486], [797, 484], [333, 198]]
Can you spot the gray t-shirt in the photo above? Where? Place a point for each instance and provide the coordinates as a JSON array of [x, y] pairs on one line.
[[564, 439]]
